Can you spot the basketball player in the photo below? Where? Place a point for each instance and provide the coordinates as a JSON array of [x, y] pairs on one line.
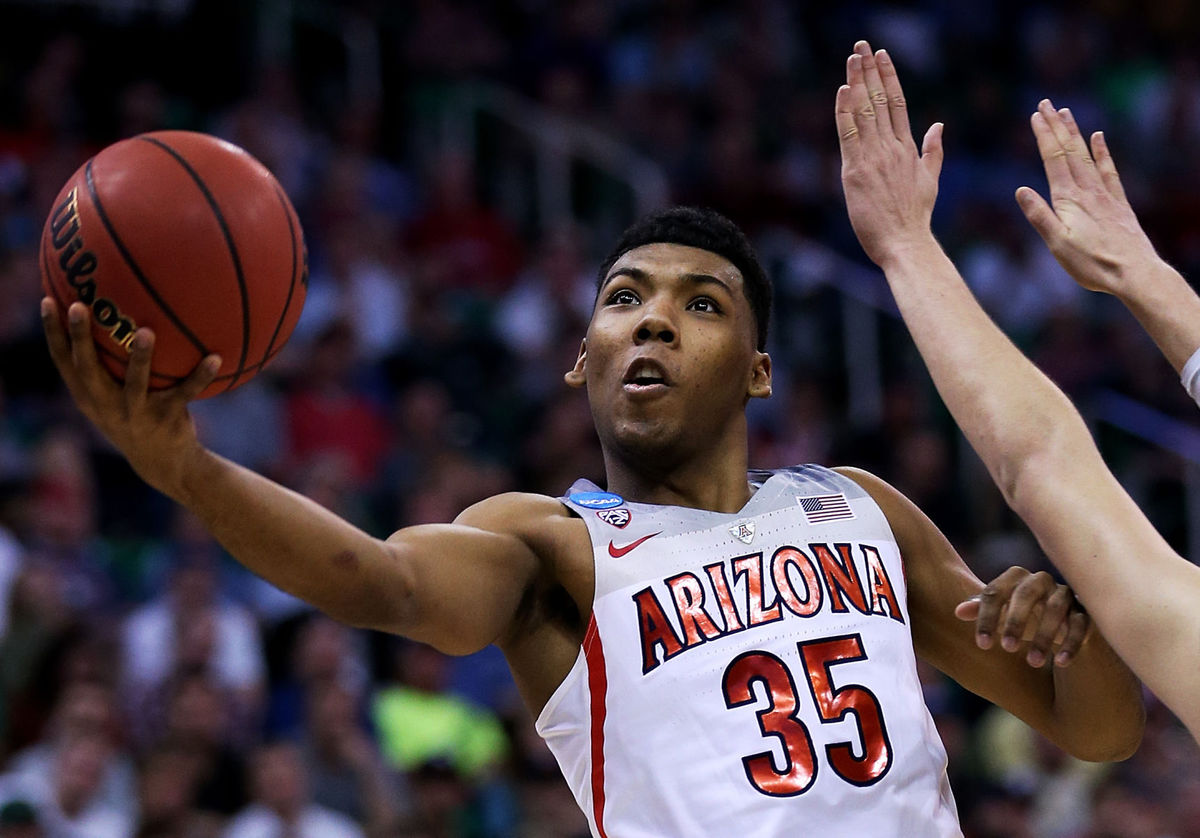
[[1037, 448], [707, 650]]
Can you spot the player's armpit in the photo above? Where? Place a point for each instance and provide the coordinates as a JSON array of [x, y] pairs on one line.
[[1092, 709], [460, 586]]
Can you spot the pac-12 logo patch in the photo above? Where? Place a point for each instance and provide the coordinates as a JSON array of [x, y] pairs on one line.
[[596, 500], [619, 518]]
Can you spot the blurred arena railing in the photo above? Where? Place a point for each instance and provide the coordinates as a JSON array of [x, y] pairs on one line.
[[546, 168]]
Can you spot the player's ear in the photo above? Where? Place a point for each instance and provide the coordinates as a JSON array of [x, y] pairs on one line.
[[576, 377], [760, 377]]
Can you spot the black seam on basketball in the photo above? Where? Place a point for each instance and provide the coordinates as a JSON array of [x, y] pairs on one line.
[[237, 262], [124, 359], [287, 304], [133, 266], [179, 379]]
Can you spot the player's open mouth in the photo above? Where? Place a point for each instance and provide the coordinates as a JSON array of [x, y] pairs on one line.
[[645, 376]]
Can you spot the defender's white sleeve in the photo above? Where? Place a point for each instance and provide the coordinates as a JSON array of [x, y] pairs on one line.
[[1190, 376]]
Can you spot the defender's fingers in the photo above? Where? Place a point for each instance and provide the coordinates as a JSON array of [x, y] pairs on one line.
[[1078, 625], [203, 375], [1079, 159], [897, 104], [860, 101], [875, 89], [1054, 615], [1041, 216], [1054, 156], [1080, 156], [848, 136], [1106, 167], [137, 372], [931, 149]]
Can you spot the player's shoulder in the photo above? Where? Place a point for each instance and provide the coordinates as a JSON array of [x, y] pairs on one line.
[[900, 512], [547, 527], [879, 489], [912, 528], [514, 512]]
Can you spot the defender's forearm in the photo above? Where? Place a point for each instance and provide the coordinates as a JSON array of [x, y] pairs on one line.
[[1168, 309], [1008, 409], [1042, 456]]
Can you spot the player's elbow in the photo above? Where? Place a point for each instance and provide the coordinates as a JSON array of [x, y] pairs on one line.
[[1059, 454], [1117, 739], [374, 592], [1114, 746]]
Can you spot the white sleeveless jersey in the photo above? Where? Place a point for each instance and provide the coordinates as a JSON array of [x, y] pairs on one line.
[[749, 674]]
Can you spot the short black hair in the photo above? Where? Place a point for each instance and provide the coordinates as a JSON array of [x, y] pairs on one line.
[[707, 230]]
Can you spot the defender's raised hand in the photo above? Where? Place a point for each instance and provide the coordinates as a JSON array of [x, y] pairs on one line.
[[153, 429], [1028, 608], [890, 188], [1091, 229], [1088, 225]]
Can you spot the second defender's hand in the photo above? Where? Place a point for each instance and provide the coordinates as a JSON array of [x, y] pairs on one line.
[[1089, 224]]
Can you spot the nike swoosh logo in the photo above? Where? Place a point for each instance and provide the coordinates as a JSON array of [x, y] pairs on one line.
[[617, 552]]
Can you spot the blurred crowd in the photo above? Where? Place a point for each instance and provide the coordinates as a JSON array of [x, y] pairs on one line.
[[150, 687]]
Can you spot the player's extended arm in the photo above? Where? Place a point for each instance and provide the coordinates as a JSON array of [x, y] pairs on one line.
[[455, 586], [1140, 593], [1087, 702], [1092, 230]]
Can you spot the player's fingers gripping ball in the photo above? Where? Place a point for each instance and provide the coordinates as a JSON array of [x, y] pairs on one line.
[[189, 235]]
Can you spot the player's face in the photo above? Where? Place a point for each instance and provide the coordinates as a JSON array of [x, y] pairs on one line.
[[669, 360]]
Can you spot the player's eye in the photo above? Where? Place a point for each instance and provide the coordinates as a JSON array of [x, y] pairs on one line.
[[705, 304], [622, 297]]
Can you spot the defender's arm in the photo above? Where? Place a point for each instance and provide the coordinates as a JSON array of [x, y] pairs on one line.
[[1091, 708], [1033, 441]]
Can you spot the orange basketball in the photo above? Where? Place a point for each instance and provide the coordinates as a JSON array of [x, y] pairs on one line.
[[189, 235]]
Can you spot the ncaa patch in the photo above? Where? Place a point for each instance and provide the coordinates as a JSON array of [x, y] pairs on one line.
[[619, 518], [596, 500]]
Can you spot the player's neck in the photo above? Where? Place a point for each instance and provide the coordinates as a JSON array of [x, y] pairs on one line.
[[716, 482]]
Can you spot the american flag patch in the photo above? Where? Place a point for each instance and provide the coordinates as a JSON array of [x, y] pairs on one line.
[[821, 508]]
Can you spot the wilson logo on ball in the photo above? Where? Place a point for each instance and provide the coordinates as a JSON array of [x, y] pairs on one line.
[[79, 264]]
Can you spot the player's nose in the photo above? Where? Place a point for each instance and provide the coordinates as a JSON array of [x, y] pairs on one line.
[[655, 324]]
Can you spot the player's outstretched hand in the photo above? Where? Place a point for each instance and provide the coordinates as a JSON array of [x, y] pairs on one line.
[[1088, 225], [890, 187], [1028, 608], [152, 429]]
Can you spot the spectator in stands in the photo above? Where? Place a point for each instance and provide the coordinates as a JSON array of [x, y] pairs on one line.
[[191, 628], [282, 803], [343, 761], [85, 708], [462, 246], [195, 734], [70, 800]]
